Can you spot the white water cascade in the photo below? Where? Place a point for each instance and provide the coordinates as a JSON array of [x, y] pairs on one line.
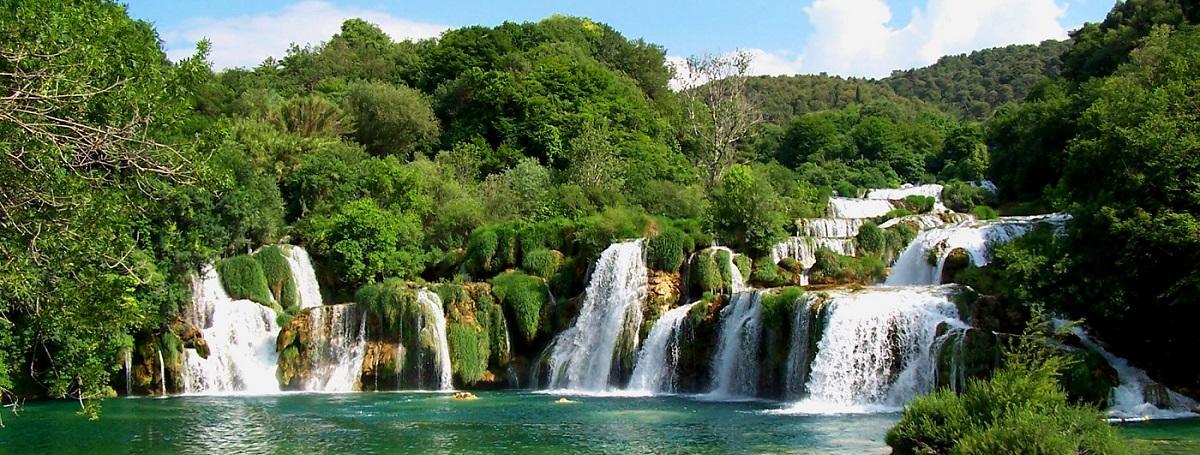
[[581, 358], [654, 371], [842, 207], [338, 334], [876, 352], [932, 190], [128, 372], [737, 284], [241, 341], [304, 276], [798, 349], [435, 330], [914, 267], [735, 363], [1130, 399], [162, 374]]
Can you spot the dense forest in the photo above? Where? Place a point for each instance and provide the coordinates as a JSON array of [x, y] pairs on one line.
[[515, 154]]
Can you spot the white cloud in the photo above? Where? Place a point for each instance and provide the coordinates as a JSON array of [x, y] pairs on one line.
[[852, 38], [763, 63], [247, 40]]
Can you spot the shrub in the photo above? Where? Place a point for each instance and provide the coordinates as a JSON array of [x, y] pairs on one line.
[[1021, 409], [614, 224], [896, 213], [870, 239], [542, 262], [243, 278], [767, 274], [392, 302], [984, 212], [481, 249], [833, 268], [469, 350], [961, 196], [525, 295], [724, 261], [778, 306], [507, 250], [920, 204], [666, 251]]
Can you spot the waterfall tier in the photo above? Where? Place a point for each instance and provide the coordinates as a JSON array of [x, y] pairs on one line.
[[915, 266], [877, 349], [581, 358], [241, 341], [799, 354], [304, 276], [432, 329], [829, 227], [1138, 396], [655, 370], [735, 363], [851, 208], [933, 190], [338, 343]]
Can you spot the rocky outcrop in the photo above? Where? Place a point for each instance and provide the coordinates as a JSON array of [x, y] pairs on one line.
[[294, 346]]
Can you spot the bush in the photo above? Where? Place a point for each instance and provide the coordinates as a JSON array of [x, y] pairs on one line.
[[243, 278], [469, 350], [1021, 409], [542, 263], [392, 302], [279, 276], [920, 204], [833, 268], [666, 251], [962, 197], [984, 212], [524, 295], [708, 273], [870, 239], [743, 264], [777, 307], [614, 224], [767, 274], [481, 249], [896, 213]]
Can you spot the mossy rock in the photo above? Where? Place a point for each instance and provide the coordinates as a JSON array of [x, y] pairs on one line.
[[243, 278], [957, 261]]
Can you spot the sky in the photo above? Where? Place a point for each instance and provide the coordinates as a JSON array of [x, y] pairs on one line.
[[863, 38]]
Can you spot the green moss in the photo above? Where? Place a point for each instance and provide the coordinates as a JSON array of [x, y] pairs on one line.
[[507, 249], [469, 350], [833, 268], [767, 274], [491, 316], [920, 204], [699, 311], [279, 276], [708, 273], [667, 250], [896, 213], [778, 306], [243, 278], [542, 263], [984, 212], [481, 249], [393, 302], [525, 296]]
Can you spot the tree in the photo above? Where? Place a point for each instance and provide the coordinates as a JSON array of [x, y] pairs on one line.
[[718, 109], [392, 120], [366, 243]]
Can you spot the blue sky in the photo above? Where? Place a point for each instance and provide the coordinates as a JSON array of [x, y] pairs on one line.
[[848, 37]]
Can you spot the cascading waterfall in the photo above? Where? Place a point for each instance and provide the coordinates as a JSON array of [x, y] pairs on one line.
[[876, 352], [829, 227], [842, 207], [162, 373], [913, 267], [896, 194], [654, 371], [128, 372], [304, 276], [735, 364], [241, 341], [929, 220], [1130, 399], [581, 358], [798, 351], [338, 334], [434, 330]]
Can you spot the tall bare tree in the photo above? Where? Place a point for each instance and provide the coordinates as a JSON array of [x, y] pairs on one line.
[[719, 111]]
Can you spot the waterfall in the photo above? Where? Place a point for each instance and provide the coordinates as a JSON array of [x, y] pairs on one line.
[[934, 191], [876, 352], [128, 372], [162, 373], [804, 249], [582, 356], [434, 331], [798, 352], [338, 334], [914, 267], [735, 364], [841, 207], [1130, 398], [241, 341], [829, 227], [304, 276], [929, 220], [654, 371]]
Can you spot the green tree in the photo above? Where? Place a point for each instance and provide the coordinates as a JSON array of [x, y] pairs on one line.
[[391, 120]]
